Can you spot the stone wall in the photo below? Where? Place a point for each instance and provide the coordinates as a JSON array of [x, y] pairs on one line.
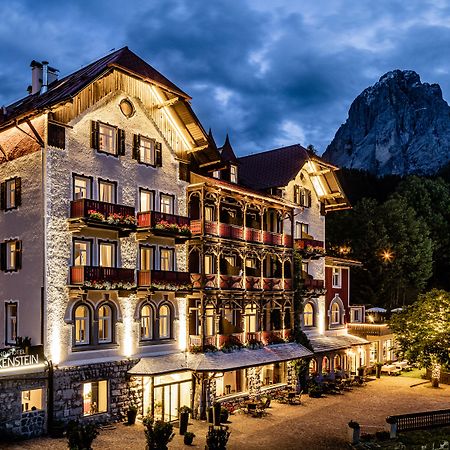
[[14, 423], [123, 390]]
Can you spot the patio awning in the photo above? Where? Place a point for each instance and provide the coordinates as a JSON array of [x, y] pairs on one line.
[[322, 344], [219, 361]]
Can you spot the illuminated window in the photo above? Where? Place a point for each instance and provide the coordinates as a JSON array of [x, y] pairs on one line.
[[233, 174], [107, 254], [81, 253], [166, 204], [210, 321], [11, 256], [82, 325], [209, 264], [335, 314], [107, 138], [302, 196], [81, 187], [11, 323], [11, 194], [32, 400], [146, 200], [301, 230], [308, 315], [105, 324], [166, 259], [216, 174], [146, 258], [107, 191], [95, 397], [164, 322], [251, 322], [146, 322], [147, 151], [209, 213], [336, 278]]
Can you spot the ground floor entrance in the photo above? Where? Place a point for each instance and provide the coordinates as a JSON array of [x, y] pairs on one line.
[[163, 395]]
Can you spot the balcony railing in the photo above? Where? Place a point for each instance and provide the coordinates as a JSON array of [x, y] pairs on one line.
[[230, 231], [230, 282], [313, 287], [164, 279], [272, 284], [310, 248], [369, 329], [211, 281], [103, 214], [164, 224], [227, 339], [253, 283], [196, 340], [102, 277]]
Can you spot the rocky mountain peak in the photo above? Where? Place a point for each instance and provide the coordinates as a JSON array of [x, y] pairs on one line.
[[397, 126]]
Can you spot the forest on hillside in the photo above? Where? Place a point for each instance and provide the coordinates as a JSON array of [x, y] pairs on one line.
[[399, 228]]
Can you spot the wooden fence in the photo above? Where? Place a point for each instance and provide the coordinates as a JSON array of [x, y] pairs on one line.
[[421, 420]]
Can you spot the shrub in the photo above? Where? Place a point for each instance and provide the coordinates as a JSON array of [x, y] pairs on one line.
[[157, 433], [217, 438], [80, 436], [224, 415]]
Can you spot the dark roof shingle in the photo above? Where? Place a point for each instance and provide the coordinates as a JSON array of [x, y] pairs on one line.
[[67, 87]]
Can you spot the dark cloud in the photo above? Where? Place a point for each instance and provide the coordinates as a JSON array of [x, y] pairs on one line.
[[269, 73]]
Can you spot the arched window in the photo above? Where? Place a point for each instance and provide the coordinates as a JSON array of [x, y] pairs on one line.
[[308, 315], [251, 323], [337, 362], [313, 367], [335, 314], [164, 322], [325, 365], [104, 324], [146, 322], [82, 325]]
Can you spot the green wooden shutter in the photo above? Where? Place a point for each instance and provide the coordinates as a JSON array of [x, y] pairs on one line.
[[158, 154], [136, 146], [3, 256], [18, 255], [95, 141], [308, 198], [120, 142], [183, 171], [18, 191], [3, 195]]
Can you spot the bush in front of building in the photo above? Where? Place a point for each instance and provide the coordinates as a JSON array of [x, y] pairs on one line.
[[80, 436], [217, 438], [158, 433]]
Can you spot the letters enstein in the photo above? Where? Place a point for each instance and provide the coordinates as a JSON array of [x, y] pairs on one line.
[[19, 357]]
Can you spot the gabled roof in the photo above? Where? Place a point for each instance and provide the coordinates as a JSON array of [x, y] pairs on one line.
[[65, 88], [273, 168]]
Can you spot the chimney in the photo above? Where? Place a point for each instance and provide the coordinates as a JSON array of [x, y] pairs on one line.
[[42, 75]]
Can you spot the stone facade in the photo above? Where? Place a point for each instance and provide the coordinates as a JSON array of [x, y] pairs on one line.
[[14, 422], [122, 390]]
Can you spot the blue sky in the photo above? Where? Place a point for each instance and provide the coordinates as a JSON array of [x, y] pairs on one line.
[[269, 73]]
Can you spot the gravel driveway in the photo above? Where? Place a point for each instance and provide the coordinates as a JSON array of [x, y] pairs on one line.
[[316, 424]]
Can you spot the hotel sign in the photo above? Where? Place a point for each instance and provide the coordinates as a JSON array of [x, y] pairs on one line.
[[20, 357]]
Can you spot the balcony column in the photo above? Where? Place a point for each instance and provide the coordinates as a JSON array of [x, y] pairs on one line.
[[244, 221], [202, 318], [283, 322], [217, 330], [202, 211], [218, 201], [282, 269]]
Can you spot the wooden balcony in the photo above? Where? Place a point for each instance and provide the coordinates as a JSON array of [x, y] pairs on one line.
[[163, 224], [230, 282], [369, 329], [230, 231], [230, 339], [253, 283], [196, 340], [313, 287], [310, 248], [165, 280], [210, 281], [272, 284], [86, 212], [102, 277], [275, 336]]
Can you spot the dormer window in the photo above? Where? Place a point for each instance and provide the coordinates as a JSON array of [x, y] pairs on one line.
[[216, 174], [233, 174]]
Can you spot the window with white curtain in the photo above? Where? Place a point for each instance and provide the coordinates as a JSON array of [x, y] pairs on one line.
[[164, 322], [107, 256], [107, 191], [104, 324], [146, 322], [82, 325]]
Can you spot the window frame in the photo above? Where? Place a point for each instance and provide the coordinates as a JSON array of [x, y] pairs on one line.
[[166, 195], [171, 250], [105, 181], [233, 173], [211, 263], [152, 248], [8, 267], [338, 283], [98, 390], [338, 311], [101, 242], [12, 181], [152, 142], [310, 315], [168, 318], [110, 325], [8, 335], [153, 195], [88, 328], [115, 130], [90, 247], [151, 322], [85, 177]]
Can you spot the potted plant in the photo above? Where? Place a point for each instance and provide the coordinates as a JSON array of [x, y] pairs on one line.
[[157, 434], [131, 415], [224, 415], [378, 367], [188, 438], [217, 438], [183, 415], [354, 432], [361, 371], [217, 407]]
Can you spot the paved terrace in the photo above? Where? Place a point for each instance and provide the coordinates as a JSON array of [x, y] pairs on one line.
[[317, 424]]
